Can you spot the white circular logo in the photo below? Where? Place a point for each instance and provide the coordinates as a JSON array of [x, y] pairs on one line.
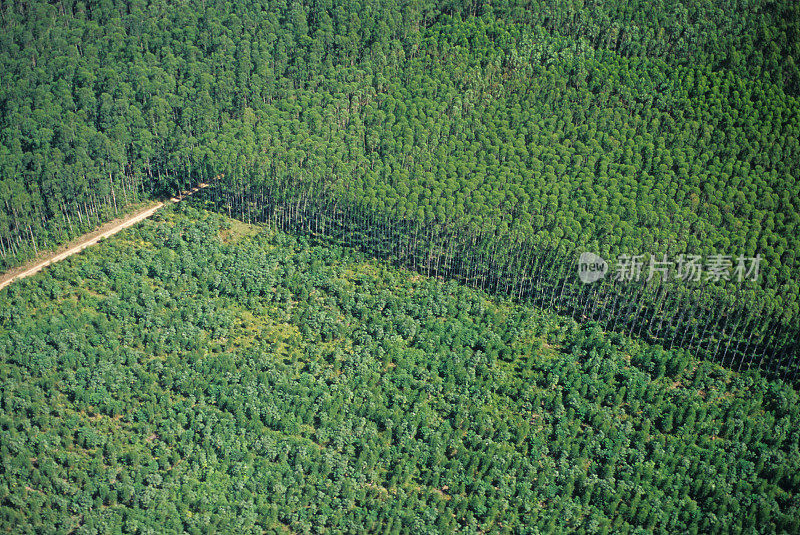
[[591, 267]]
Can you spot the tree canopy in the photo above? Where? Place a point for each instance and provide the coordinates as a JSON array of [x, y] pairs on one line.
[[239, 379]]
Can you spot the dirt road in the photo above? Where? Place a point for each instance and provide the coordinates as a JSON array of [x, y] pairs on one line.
[[87, 240]]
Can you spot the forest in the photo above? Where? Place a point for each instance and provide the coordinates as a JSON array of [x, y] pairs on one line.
[[372, 319], [510, 136], [197, 374]]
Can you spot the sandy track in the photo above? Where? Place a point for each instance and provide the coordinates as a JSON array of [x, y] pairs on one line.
[[87, 240]]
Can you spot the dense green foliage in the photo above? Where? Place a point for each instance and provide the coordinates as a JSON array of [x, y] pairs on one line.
[[616, 127], [198, 373], [195, 374]]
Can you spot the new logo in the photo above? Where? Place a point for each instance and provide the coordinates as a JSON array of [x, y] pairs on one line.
[[591, 267]]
